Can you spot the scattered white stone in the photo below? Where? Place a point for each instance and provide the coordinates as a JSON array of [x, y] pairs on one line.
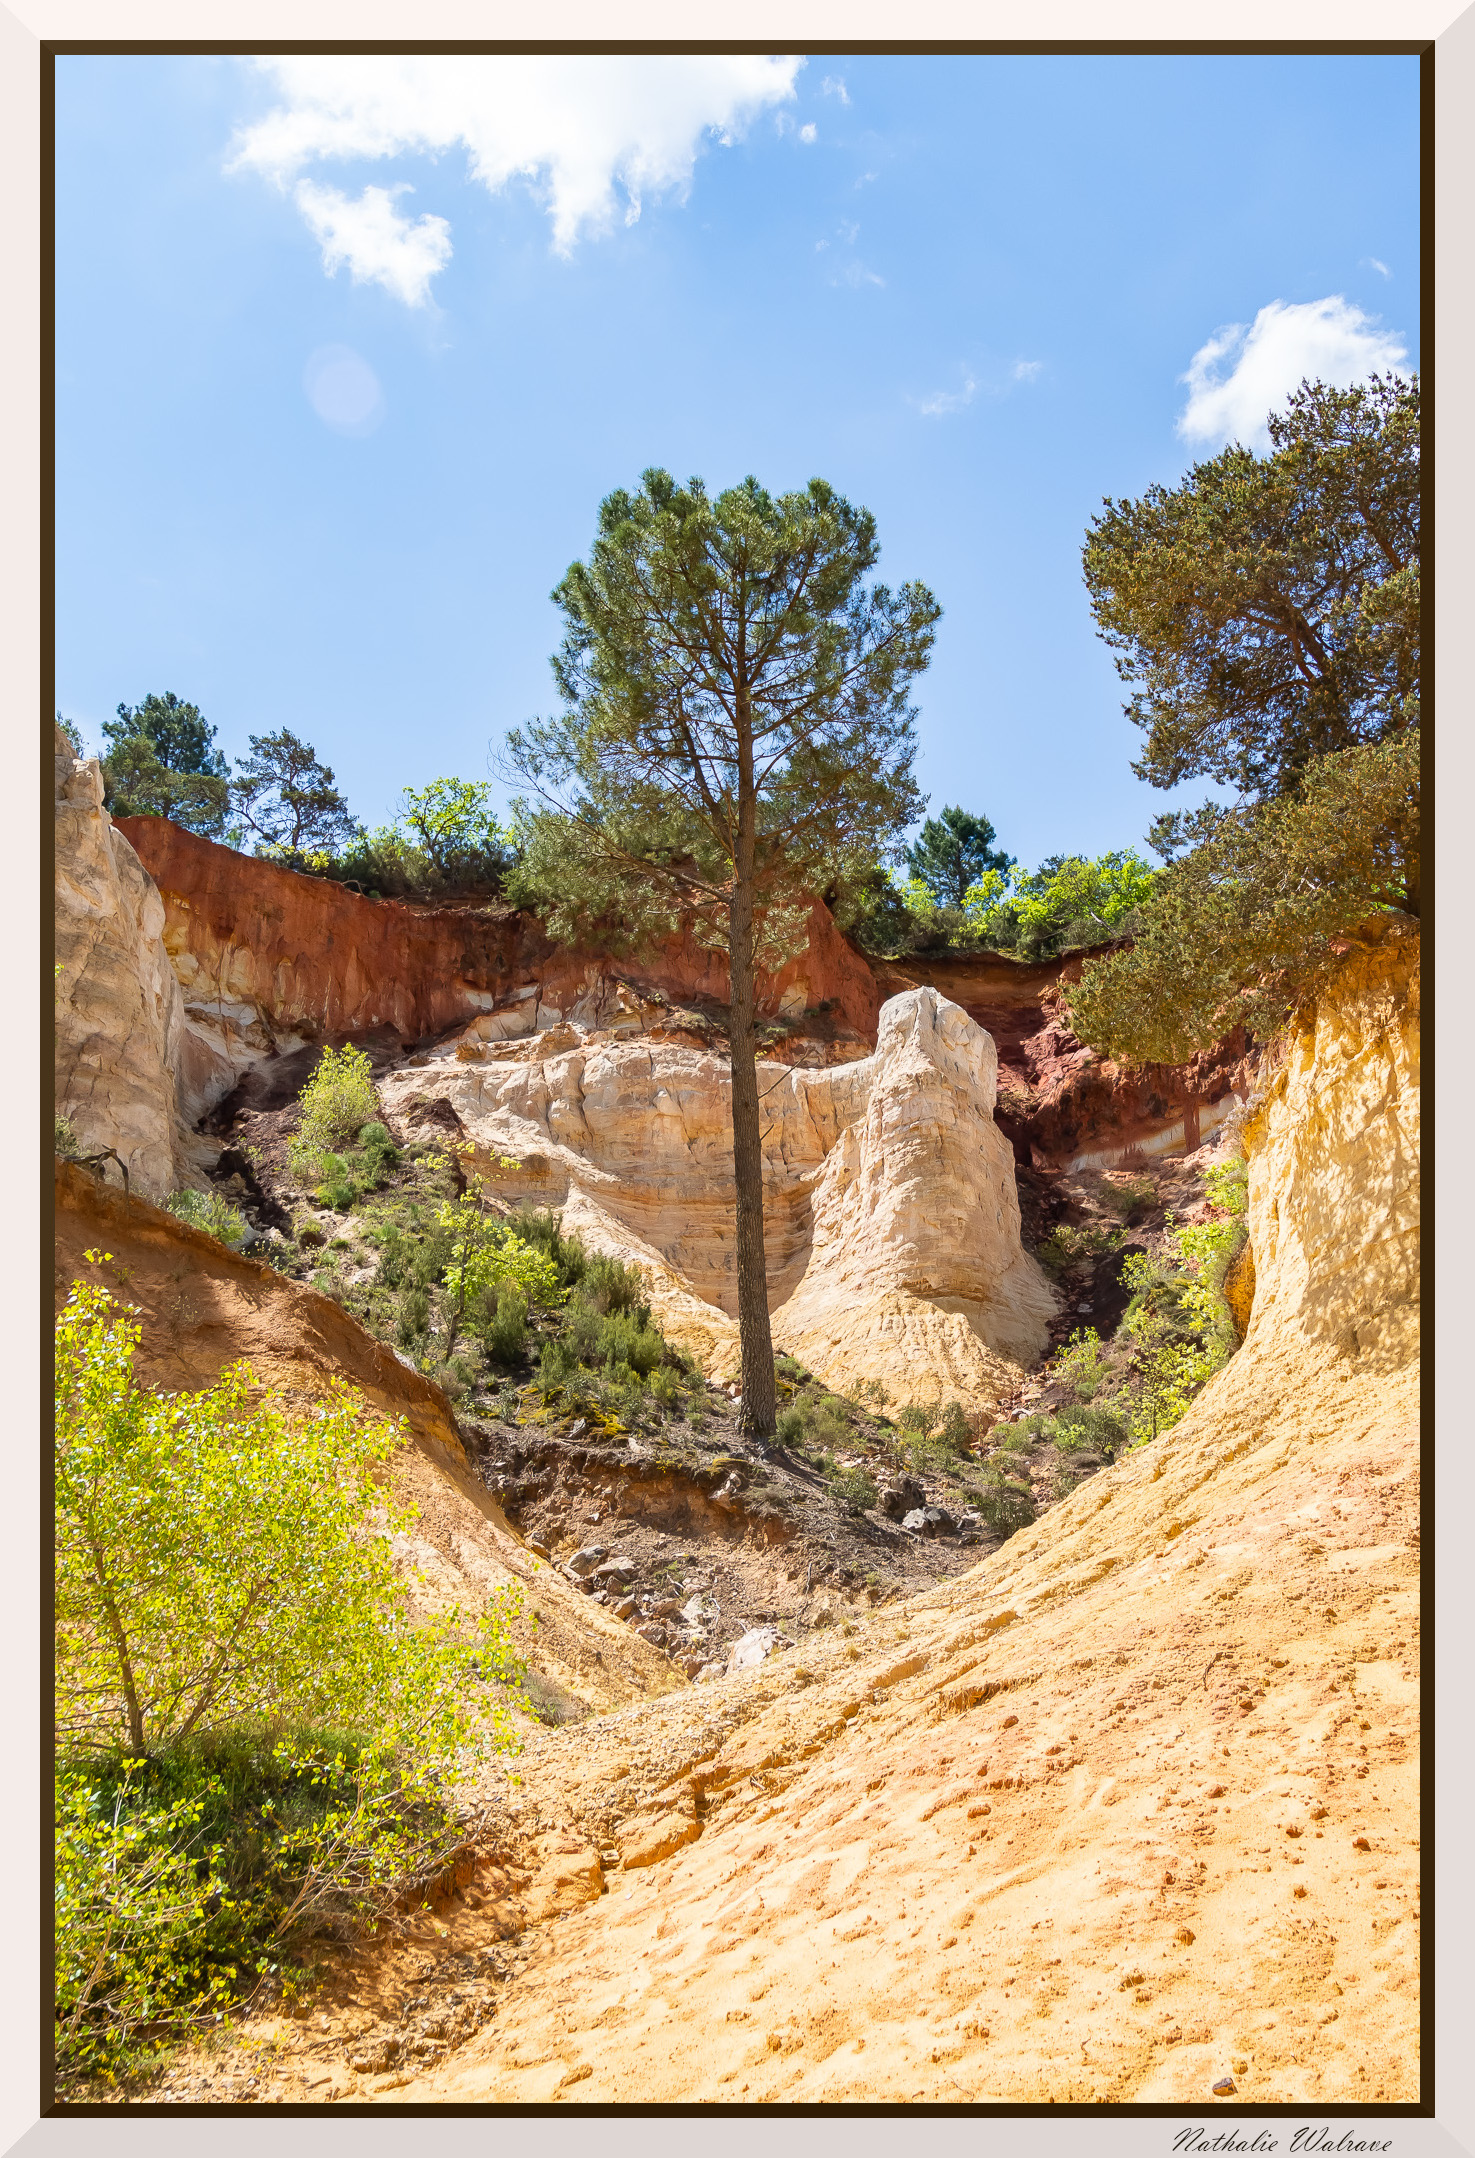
[[752, 1648]]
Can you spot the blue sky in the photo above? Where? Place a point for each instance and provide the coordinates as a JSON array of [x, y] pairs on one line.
[[976, 294]]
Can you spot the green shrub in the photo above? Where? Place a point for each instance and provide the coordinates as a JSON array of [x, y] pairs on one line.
[[610, 1286], [855, 1489], [665, 1386], [337, 1102], [1128, 1196], [624, 1339], [826, 1428], [1066, 1245], [210, 1211], [914, 1416], [503, 1323], [1100, 1430], [556, 1365], [792, 1424], [955, 1433], [539, 1226], [66, 1139], [1004, 1501], [1078, 1365], [227, 1605], [413, 1316], [339, 1189]]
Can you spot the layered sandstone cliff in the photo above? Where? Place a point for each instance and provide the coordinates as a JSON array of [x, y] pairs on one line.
[[1127, 1813], [890, 1207], [119, 1014], [269, 960]]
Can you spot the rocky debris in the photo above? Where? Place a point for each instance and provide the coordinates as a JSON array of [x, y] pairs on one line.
[[752, 1648], [930, 1521], [898, 1496], [584, 1561]]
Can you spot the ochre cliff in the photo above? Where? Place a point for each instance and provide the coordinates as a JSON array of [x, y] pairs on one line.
[[889, 1196], [268, 958], [1061, 1105], [1130, 1808], [119, 1015], [1334, 1201]]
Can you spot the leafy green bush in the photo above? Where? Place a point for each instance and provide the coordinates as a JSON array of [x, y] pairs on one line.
[[1004, 1501], [792, 1424], [1078, 1365], [212, 1212], [855, 1489], [445, 838], [1066, 1245], [1068, 903], [66, 1139], [337, 1102], [484, 1250], [502, 1323], [1079, 1426], [225, 1589], [1128, 1196]]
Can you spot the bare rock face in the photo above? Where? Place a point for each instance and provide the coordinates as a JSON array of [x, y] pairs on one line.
[[119, 1014], [893, 1224], [270, 960], [916, 1277], [1334, 1147]]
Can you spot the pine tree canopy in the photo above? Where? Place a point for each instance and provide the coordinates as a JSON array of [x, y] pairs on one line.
[[735, 711], [951, 852], [1269, 605]]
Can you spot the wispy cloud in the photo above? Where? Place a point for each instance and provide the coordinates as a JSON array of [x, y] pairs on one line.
[[368, 237], [1025, 370], [1373, 263], [834, 86], [1327, 340], [941, 402], [848, 230], [808, 132], [582, 130], [856, 273]]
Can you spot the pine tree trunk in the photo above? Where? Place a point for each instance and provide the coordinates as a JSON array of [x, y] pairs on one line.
[[759, 1396]]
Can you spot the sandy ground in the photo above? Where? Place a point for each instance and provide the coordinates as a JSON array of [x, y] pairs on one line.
[[1130, 1808]]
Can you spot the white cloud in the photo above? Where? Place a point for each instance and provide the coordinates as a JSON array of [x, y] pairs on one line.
[[373, 242], [1026, 370], [577, 127], [1327, 340], [834, 86], [848, 230], [1374, 264], [941, 402], [856, 273], [809, 132]]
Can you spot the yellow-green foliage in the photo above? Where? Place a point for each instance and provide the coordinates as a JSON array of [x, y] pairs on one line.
[[485, 1251], [224, 1580], [337, 1101]]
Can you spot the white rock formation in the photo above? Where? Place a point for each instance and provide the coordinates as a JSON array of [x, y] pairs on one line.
[[119, 1014], [892, 1216]]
